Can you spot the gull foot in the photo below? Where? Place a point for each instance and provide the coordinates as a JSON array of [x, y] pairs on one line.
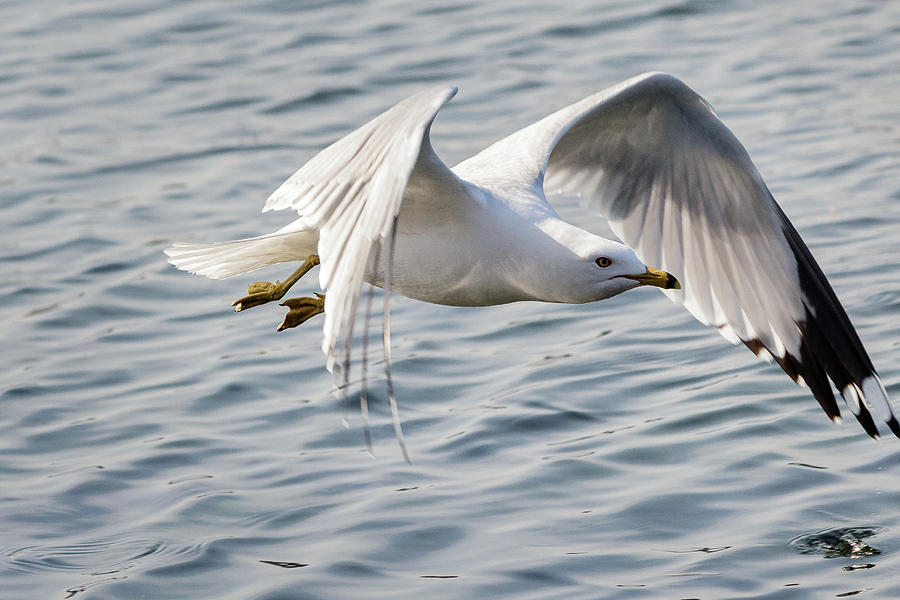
[[301, 310], [261, 292]]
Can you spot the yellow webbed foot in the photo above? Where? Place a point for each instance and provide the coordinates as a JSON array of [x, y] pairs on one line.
[[258, 292], [301, 310], [261, 292]]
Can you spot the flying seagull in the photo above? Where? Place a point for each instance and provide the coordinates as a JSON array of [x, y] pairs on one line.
[[675, 184]]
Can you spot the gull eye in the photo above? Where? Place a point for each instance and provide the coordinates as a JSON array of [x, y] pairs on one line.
[[603, 262]]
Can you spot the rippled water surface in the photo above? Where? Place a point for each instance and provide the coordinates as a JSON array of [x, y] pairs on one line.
[[153, 444]]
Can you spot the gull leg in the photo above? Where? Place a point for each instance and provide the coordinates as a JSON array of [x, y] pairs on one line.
[[262, 292], [301, 309]]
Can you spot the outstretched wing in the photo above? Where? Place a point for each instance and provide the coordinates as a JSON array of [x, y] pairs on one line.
[[351, 192], [679, 188]]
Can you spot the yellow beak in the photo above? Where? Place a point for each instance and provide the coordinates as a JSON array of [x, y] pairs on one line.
[[656, 278]]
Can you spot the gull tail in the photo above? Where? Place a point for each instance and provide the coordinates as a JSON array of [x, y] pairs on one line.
[[220, 260]]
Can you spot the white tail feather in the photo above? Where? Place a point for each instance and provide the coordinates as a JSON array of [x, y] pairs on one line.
[[220, 260]]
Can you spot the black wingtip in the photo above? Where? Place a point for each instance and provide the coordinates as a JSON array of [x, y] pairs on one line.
[[865, 419], [830, 348], [894, 426]]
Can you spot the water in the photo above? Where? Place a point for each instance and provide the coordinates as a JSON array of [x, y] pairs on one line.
[[153, 444]]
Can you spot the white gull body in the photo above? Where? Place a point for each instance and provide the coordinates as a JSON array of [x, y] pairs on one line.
[[649, 153]]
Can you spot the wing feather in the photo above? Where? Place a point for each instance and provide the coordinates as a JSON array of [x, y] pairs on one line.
[[679, 188], [352, 192]]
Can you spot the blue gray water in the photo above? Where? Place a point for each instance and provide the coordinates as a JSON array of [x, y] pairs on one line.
[[153, 444]]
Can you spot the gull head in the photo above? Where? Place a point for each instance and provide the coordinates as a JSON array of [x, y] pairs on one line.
[[615, 268], [598, 268]]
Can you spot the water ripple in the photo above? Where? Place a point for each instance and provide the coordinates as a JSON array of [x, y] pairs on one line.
[[319, 97]]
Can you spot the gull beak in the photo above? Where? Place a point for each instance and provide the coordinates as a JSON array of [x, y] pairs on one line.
[[656, 278]]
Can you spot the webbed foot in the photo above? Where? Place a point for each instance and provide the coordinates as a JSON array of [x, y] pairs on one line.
[[261, 292], [301, 310]]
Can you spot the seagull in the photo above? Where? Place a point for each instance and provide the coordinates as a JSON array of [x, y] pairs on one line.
[[674, 183]]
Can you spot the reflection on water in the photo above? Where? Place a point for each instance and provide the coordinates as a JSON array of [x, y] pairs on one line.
[[153, 443]]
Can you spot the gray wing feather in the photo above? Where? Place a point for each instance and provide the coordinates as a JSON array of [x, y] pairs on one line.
[[679, 188]]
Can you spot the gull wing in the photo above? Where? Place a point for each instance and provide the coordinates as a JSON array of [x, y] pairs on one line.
[[679, 188], [352, 192]]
